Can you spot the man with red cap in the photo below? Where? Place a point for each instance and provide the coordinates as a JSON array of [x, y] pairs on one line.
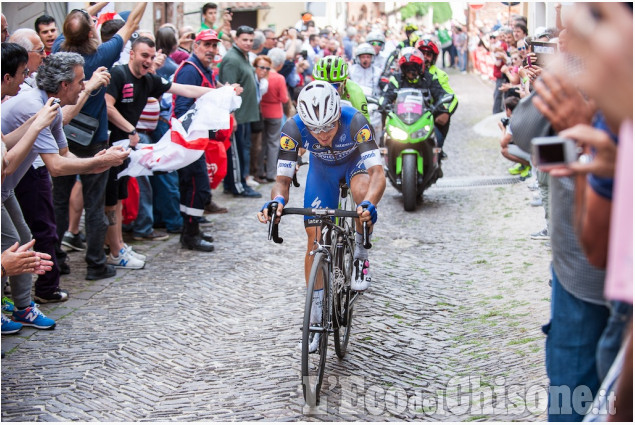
[[193, 179]]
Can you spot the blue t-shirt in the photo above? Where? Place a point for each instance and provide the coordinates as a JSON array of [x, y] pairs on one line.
[[190, 76], [107, 54], [603, 186]]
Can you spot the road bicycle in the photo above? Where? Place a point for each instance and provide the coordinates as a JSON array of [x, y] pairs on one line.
[[332, 271]]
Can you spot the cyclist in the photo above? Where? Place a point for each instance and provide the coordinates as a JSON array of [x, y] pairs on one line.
[[334, 69], [430, 52], [342, 147], [414, 74]]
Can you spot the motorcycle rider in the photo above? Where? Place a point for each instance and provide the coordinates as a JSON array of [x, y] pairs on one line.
[[363, 72], [367, 76], [414, 74], [334, 70], [378, 41], [430, 52]]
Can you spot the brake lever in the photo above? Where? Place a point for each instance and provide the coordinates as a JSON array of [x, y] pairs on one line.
[[365, 233], [273, 227]]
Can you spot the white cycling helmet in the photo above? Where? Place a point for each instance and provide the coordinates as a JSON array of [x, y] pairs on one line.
[[319, 105], [365, 49]]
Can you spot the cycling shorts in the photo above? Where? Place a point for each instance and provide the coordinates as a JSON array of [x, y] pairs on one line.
[[323, 183]]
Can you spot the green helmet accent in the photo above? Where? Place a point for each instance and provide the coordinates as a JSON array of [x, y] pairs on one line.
[[331, 68]]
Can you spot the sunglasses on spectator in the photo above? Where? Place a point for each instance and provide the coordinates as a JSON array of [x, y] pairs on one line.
[[38, 51], [522, 48], [376, 43], [86, 15], [266, 68], [324, 129], [26, 72]]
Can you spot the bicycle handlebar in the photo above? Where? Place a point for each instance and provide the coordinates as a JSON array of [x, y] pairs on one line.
[[319, 212]]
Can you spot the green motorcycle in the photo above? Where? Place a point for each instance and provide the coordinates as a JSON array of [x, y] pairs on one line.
[[412, 157]]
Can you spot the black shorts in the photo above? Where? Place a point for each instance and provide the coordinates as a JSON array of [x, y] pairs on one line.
[[116, 189]]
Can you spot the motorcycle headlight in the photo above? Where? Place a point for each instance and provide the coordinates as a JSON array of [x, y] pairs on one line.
[[420, 133], [397, 133]]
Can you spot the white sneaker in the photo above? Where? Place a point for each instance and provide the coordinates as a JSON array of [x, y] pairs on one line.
[[133, 253], [362, 275], [251, 182], [314, 344], [125, 261]]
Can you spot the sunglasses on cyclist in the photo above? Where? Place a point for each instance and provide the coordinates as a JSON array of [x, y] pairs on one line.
[[336, 86], [323, 129], [376, 43]]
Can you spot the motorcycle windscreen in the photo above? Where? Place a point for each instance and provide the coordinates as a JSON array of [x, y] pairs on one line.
[[409, 105]]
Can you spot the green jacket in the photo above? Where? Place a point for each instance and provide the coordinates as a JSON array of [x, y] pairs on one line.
[[354, 94], [235, 68], [443, 79]]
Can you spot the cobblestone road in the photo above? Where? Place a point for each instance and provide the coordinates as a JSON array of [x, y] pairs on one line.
[[454, 314]]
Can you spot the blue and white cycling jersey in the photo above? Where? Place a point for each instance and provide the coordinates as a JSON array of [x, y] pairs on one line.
[[353, 151], [355, 135]]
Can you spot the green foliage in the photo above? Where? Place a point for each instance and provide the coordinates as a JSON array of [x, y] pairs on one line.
[[441, 11]]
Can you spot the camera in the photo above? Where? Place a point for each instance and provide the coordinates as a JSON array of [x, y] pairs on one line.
[[505, 121], [304, 54], [553, 151], [192, 36]]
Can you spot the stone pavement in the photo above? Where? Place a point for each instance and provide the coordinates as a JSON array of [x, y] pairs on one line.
[[452, 319]]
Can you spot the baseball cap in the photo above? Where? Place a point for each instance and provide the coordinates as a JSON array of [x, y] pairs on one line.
[[207, 35]]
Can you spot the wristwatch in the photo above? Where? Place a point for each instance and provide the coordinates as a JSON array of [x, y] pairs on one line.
[[133, 132]]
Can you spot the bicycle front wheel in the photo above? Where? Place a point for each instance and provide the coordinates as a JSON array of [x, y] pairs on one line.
[[314, 326], [342, 307]]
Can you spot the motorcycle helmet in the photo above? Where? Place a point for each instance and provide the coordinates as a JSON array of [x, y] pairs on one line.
[[376, 37], [333, 69], [428, 44], [319, 106], [411, 59], [410, 28], [364, 49]]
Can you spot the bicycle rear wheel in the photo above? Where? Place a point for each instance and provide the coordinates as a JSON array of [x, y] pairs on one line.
[[313, 363], [342, 307]]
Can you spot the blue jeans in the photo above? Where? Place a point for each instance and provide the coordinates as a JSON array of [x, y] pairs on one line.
[[142, 226], [572, 340], [165, 188], [611, 340]]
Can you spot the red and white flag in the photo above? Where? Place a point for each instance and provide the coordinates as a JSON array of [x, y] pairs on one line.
[[186, 141]]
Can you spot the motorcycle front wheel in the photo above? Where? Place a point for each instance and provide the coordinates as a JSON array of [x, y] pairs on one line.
[[409, 182]]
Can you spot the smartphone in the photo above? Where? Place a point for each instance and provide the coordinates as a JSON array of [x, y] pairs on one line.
[[553, 151], [56, 101], [544, 52]]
